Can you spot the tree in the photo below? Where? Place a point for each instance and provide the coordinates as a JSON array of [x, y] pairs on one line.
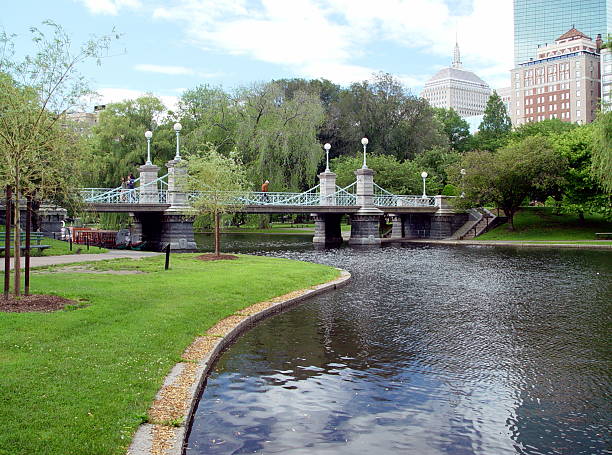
[[602, 150], [208, 115], [495, 126], [393, 175], [396, 122], [118, 138], [35, 94], [456, 129], [515, 172], [277, 137], [581, 192], [220, 181]]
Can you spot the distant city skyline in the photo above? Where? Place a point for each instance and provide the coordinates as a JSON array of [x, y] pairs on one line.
[[170, 46]]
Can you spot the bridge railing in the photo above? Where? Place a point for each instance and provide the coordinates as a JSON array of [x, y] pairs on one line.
[[122, 195], [404, 201]]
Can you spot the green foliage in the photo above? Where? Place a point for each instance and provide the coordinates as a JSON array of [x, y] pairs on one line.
[[520, 170], [277, 136], [118, 138], [436, 161], [549, 128], [450, 190], [602, 150], [81, 381], [581, 192], [495, 127], [114, 221], [395, 122], [398, 177], [456, 129]]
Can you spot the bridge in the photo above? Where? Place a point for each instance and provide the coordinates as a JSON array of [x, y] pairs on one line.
[[162, 210]]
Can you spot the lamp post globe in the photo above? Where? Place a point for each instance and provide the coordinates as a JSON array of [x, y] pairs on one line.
[[424, 176], [177, 128], [364, 142], [148, 135], [327, 147]]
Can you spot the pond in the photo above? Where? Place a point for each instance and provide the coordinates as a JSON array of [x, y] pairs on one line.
[[429, 350]]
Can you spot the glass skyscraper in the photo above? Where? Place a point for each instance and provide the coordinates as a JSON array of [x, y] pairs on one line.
[[543, 21]]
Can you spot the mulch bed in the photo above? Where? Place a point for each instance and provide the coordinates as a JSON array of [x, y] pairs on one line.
[[33, 303], [212, 257]]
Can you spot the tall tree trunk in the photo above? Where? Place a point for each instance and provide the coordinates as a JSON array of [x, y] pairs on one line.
[[217, 234], [7, 243], [581, 216], [510, 214], [17, 249], [26, 287]]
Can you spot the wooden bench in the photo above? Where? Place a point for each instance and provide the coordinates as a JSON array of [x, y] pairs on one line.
[[603, 235], [36, 239]]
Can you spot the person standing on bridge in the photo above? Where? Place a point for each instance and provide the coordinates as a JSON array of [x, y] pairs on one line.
[[264, 190], [130, 185]]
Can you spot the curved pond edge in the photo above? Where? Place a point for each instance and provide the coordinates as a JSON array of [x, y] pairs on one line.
[[504, 243], [171, 413]]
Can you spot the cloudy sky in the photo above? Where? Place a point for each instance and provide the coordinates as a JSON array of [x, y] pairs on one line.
[[170, 45]]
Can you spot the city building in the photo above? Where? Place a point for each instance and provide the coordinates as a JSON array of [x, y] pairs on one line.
[[606, 79], [84, 121], [537, 22], [457, 88], [561, 80]]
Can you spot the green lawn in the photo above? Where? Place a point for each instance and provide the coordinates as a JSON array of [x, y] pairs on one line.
[[60, 248], [541, 224], [80, 381]]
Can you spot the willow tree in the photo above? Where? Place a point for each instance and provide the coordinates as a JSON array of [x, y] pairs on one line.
[[219, 182], [277, 135], [37, 153]]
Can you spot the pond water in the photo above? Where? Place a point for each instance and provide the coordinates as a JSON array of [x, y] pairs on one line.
[[429, 350]]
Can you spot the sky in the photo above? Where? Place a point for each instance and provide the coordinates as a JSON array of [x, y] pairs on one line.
[[168, 46]]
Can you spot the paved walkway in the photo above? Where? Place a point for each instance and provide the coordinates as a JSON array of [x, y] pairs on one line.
[[39, 261]]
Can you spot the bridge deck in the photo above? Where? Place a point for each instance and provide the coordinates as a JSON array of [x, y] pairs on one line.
[[263, 209]]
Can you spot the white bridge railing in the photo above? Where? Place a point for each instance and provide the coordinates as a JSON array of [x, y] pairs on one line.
[[342, 197]]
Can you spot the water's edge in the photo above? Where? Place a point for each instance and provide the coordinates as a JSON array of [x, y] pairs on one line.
[[173, 438]]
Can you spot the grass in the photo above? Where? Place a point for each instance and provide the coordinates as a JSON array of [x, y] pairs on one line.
[[542, 224], [80, 381], [62, 248]]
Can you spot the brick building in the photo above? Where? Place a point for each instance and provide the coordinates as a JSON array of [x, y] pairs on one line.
[[561, 81]]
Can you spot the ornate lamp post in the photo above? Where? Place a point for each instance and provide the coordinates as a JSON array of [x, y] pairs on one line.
[[462, 171], [364, 141], [148, 135], [327, 147], [424, 176], [177, 128]]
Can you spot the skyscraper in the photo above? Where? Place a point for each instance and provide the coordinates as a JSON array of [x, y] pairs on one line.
[[457, 88], [538, 22]]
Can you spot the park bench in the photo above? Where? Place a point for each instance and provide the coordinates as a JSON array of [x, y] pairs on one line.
[[35, 241], [603, 235]]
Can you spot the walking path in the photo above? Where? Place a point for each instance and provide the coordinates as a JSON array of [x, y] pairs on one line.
[[41, 261]]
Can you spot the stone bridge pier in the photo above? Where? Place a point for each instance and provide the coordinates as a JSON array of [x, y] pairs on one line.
[[439, 225], [173, 226], [365, 223]]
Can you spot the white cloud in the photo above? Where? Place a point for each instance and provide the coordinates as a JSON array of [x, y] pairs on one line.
[[328, 38], [110, 7], [173, 70]]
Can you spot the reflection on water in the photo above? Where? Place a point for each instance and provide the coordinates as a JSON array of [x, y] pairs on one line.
[[430, 350]]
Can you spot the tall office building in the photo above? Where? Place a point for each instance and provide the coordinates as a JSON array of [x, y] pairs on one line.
[[606, 79], [562, 80], [457, 88], [537, 22]]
